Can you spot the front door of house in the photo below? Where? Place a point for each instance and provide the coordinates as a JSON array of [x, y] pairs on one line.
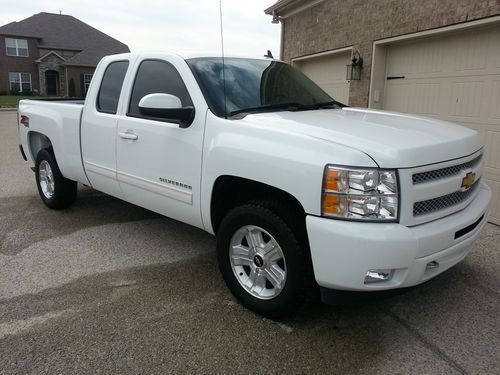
[[52, 80]]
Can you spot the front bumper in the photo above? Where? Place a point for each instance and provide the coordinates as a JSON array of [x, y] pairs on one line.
[[344, 251]]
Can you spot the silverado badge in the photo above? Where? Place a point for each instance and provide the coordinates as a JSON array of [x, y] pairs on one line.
[[468, 181]]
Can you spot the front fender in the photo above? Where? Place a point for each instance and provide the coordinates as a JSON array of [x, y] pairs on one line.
[[290, 162]]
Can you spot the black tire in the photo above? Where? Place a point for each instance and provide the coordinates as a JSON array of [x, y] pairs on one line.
[[299, 283], [64, 193]]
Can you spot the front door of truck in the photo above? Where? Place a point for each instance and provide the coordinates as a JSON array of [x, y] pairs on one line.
[[159, 162]]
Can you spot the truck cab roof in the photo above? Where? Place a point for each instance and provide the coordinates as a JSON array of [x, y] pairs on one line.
[[186, 55]]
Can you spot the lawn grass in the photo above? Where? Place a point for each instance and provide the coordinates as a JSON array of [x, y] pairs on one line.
[[12, 101]]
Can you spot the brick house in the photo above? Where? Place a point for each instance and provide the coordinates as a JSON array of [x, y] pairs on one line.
[[42, 54], [435, 58]]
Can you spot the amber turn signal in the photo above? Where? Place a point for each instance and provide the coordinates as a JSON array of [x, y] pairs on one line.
[[332, 179], [331, 204]]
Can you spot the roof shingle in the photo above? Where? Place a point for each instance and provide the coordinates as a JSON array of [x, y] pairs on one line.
[[56, 31]]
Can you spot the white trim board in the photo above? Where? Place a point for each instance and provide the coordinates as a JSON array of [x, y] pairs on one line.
[[322, 54]]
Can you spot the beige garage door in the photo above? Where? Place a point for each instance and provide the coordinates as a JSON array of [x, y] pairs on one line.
[[329, 72], [456, 78]]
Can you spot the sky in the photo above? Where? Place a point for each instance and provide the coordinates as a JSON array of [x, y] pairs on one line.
[[173, 25]]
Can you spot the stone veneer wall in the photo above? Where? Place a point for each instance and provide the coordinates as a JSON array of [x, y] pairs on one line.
[[52, 62]]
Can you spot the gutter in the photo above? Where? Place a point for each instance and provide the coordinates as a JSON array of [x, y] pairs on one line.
[[286, 8], [79, 65], [282, 42], [278, 6]]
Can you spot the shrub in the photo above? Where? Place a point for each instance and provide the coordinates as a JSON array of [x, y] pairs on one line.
[[71, 88], [19, 93]]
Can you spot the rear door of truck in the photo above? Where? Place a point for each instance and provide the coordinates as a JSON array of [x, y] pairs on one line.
[[99, 124]]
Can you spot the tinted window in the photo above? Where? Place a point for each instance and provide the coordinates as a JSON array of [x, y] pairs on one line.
[[111, 86], [155, 77], [252, 83]]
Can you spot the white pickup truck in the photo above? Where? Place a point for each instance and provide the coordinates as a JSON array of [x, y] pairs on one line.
[[300, 190]]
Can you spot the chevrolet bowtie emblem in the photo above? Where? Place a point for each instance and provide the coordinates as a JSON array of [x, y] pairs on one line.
[[468, 181]]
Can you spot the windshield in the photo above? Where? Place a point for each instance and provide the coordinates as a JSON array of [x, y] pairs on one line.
[[254, 85]]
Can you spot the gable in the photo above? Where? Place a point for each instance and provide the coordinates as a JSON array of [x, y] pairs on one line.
[[52, 56], [59, 31]]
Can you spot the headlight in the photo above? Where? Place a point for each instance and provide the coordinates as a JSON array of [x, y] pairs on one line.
[[360, 194]]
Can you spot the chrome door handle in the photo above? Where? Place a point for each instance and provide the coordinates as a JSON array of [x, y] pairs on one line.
[[129, 135]]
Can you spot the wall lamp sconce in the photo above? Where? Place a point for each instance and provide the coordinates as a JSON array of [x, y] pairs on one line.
[[354, 68]]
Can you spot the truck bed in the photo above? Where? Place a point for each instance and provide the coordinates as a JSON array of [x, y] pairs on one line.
[[59, 120], [79, 101]]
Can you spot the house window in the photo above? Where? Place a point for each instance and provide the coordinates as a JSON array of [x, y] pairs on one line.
[[16, 47], [20, 82], [86, 81]]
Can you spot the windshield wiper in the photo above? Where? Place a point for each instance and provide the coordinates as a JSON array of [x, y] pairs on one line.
[[270, 107], [292, 106], [329, 104]]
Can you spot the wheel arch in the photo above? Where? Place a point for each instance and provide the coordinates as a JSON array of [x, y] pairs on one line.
[[230, 191], [36, 142]]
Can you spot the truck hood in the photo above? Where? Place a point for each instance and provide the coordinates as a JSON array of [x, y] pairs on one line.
[[392, 140]]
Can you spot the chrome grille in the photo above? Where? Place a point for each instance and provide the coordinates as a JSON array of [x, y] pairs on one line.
[[438, 174], [444, 202]]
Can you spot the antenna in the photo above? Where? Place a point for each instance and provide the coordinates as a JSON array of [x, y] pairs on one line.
[[223, 64]]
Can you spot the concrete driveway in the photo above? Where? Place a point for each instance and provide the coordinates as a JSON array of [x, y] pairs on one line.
[[107, 287]]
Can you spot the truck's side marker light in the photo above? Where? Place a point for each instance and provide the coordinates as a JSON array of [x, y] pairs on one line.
[[25, 120]]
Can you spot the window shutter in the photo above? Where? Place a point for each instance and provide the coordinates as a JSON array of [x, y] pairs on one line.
[[82, 85]]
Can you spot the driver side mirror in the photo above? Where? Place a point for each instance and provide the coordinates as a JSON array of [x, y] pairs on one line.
[[166, 107]]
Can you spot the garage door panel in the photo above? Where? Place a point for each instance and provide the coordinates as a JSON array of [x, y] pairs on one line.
[[415, 58], [324, 68], [495, 102], [493, 150], [399, 62], [337, 91], [466, 99], [491, 175], [424, 98], [329, 73], [471, 51], [495, 55], [495, 204], [454, 77], [421, 98], [397, 97]]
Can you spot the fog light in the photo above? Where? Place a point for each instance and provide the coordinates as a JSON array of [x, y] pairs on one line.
[[432, 265], [376, 276]]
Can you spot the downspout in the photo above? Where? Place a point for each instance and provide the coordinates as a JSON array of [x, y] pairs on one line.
[[66, 89], [39, 79], [282, 41]]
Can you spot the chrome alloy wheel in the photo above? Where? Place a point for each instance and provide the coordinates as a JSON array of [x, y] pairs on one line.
[[257, 262], [46, 179]]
